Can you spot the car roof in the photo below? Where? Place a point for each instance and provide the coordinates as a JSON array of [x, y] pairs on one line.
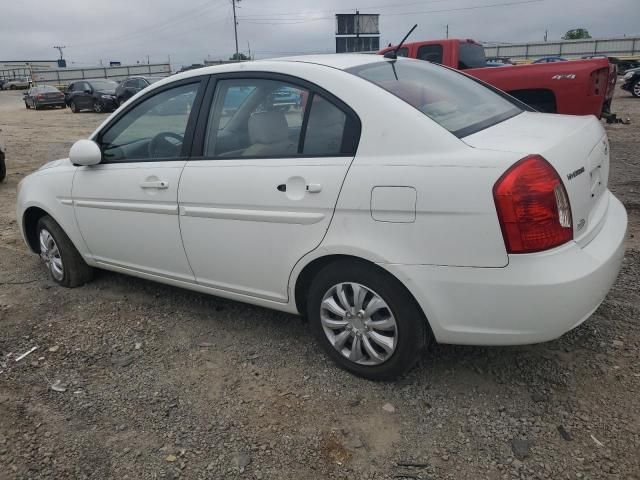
[[340, 61]]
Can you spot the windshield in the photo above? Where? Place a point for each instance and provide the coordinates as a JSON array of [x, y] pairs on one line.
[[47, 89], [471, 56], [103, 84], [456, 102]]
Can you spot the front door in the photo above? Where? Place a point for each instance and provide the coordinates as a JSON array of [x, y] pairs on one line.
[[275, 155], [126, 206]]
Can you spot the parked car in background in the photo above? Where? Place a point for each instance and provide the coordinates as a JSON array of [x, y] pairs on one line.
[[132, 85], [97, 95], [44, 96], [551, 59], [631, 82], [575, 87], [17, 83], [501, 60], [3, 165], [402, 202]]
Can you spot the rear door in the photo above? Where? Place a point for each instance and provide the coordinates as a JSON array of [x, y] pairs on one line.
[[263, 192]]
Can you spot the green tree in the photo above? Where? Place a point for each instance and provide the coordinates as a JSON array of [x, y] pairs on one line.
[[239, 56], [576, 34]]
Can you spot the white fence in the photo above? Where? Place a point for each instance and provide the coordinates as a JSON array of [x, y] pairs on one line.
[[610, 47], [65, 76]]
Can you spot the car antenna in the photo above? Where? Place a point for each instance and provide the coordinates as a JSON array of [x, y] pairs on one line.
[[393, 54]]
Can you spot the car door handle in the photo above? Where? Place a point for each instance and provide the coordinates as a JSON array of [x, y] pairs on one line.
[[311, 188], [160, 184]]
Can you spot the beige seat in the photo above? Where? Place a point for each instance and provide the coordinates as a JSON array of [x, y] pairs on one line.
[[325, 129], [269, 136]]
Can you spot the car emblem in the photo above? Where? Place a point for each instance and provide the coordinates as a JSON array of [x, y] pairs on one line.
[[575, 173]]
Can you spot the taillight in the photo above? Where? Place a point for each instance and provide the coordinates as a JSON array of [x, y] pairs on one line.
[[533, 206], [599, 82], [40, 97]]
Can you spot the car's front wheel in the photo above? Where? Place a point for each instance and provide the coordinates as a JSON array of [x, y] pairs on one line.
[[73, 106], [366, 320], [97, 106], [635, 89], [65, 264]]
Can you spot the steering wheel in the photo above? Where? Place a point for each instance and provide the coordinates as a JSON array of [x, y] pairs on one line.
[[165, 144]]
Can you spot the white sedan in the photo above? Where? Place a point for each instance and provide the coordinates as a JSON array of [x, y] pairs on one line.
[[392, 201]]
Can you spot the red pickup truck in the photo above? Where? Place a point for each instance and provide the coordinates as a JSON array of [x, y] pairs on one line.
[[575, 87]]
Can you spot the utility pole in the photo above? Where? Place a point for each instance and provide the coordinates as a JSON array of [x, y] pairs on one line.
[[60, 48], [358, 49], [546, 32], [235, 27], [249, 48], [447, 30]]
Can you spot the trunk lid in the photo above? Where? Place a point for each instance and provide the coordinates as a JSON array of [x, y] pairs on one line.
[[578, 149]]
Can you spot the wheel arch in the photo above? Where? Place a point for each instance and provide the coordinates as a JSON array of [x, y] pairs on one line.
[[30, 219], [313, 267]]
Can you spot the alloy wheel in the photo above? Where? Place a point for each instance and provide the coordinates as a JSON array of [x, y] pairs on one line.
[[50, 254], [358, 323], [636, 89]]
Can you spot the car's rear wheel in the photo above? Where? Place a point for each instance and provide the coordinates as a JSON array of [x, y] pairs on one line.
[[97, 107], [65, 264], [635, 89], [366, 320], [12, 87], [73, 107]]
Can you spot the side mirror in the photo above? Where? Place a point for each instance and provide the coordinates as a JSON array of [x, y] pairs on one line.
[[85, 152]]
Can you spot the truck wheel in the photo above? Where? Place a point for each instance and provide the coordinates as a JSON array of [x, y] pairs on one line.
[[3, 167], [635, 90]]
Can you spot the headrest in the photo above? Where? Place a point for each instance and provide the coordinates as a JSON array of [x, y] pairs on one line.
[[268, 127]]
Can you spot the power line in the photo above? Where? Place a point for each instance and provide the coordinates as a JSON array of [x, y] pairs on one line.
[[284, 21]]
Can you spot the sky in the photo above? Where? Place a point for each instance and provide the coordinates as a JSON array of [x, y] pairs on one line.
[[189, 31]]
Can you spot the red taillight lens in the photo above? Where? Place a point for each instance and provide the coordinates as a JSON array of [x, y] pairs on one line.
[[533, 207], [40, 97], [599, 82]]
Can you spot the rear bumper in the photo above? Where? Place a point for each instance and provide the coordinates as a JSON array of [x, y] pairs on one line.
[[51, 103], [535, 298]]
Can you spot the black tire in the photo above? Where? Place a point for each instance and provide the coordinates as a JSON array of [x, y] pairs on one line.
[[635, 89], [413, 332], [73, 107], [3, 167], [12, 87], [97, 107], [76, 272]]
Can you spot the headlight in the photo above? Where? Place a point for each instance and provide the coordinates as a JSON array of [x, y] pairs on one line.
[[627, 76]]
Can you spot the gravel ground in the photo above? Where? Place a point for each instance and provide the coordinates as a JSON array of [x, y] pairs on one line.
[[133, 379]]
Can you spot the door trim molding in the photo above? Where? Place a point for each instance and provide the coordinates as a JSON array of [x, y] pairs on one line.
[[270, 216], [166, 209]]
